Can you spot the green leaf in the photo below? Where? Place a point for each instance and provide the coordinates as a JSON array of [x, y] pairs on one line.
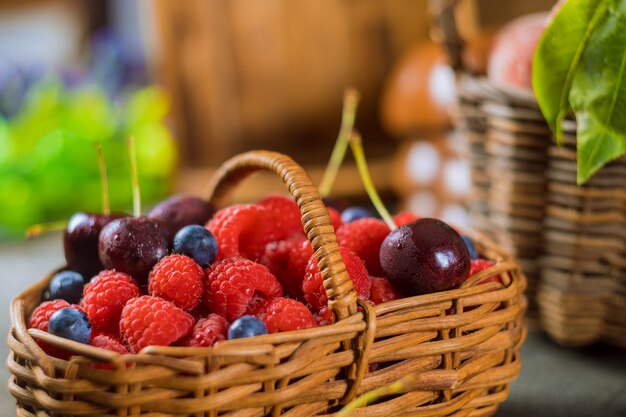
[[598, 93], [558, 55], [596, 145]]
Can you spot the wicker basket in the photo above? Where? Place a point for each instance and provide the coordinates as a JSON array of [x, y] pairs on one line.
[[459, 348], [569, 239]]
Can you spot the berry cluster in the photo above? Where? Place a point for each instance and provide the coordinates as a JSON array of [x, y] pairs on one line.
[[250, 270]]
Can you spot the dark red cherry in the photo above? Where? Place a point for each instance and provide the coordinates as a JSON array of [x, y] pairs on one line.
[[180, 210], [133, 245], [80, 242], [424, 256]]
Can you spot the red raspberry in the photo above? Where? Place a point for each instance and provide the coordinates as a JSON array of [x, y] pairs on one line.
[[108, 343], [233, 284], [104, 298], [404, 217], [478, 265], [382, 291], [152, 321], [240, 230], [179, 279], [364, 237], [324, 317], [207, 332], [335, 218], [283, 216], [40, 317], [286, 260], [283, 314], [313, 286], [39, 320]]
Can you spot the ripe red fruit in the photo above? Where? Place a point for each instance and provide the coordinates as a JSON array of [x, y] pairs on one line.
[[152, 321], [287, 260], [104, 298], [207, 332], [478, 265], [364, 237], [39, 320], [177, 278], [233, 284], [424, 256], [313, 286], [284, 314], [404, 217], [240, 230], [382, 291], [283, 215], [108, 343], [335, 218]]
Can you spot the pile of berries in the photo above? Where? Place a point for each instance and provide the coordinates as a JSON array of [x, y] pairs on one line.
[[186, 276]]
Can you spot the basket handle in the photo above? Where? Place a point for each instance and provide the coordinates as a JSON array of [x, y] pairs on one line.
[[342, 298], [445, 32]]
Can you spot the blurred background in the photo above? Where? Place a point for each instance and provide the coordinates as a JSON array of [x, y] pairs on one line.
[[198, 81]]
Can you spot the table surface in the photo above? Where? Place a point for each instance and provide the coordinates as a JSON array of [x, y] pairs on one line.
[[554, 382]]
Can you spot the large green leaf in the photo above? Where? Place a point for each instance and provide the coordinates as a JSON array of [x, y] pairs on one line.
[[558, 55], [598, 93]]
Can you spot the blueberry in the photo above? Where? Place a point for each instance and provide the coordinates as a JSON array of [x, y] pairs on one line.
[[70, 324], [67, 285], [470, 247], [354, 213], [246, 326], [197, 243]]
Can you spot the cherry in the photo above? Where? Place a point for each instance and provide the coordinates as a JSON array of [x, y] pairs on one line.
[[80, 242], [424, 256], [179, 211], [133, 245]]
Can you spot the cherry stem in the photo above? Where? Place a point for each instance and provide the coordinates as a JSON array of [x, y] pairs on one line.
[[134, 176], [106, 203], [38, 229], [361, 164], [396, 387], [348, 116]]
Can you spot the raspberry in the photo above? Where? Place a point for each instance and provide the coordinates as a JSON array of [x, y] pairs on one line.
[[283, 216], [283, 314], [286, 260], [39, 320], [177, 278], [240, 230], [404, 217], [108, 343], [104, 298], [364, 237], [233, 284], [478, 265], [40, 317], [324, 317], [335, 218], [313, 286], [207, 332], [382, 291], [152, 321]]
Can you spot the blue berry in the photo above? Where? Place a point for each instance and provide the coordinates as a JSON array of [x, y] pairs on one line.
[[470, 247], [246, 326], [68, 286], [354, 213], [70, 324], [197, 243]]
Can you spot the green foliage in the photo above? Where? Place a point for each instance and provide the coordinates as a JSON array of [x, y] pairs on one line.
[[48, 161], [579, 66]]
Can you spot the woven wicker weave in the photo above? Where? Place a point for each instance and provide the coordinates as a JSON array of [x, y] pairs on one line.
[[569, 239], [460, 348]]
